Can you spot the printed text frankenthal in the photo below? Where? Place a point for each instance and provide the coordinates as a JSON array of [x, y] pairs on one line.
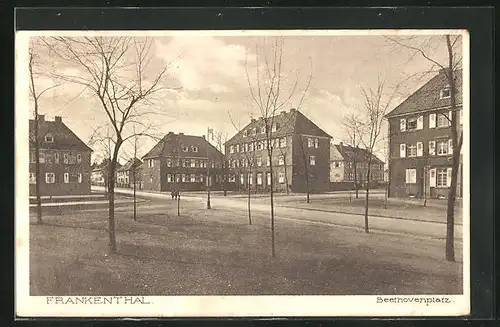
[[96, 300]]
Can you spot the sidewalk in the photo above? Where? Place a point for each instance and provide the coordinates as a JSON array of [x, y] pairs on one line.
[[82, 203]]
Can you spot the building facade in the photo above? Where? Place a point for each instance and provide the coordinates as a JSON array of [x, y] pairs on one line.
[[347, 163], [130, 173], [100, 173], [420, 145], [299, 149], [183, 162], [64, 159]]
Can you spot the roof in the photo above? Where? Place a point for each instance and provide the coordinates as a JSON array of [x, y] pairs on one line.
[[103, 165], [428, 96], [172, 144], [350, 153], [130, 164], [290, 122], [64, 138]]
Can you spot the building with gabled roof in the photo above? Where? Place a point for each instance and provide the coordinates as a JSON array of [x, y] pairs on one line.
[[183, 162], [344, 159], [64, 159], [420, 145], [130, 173], [299, 146]]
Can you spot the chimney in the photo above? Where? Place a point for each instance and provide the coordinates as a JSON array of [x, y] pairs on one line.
[[444, 70], [283, 112], [41, 117], [170, 133], [293, 110], [58, 119], [253, 120], [341, 144], [181, 133], [204, 137]]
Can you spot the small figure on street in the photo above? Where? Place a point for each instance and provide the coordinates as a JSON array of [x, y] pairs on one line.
[[172, 194]]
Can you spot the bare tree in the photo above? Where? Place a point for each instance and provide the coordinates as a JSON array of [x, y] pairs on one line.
[[353, 127], [269, 95], [452, 67], [376, 103], [220, 139], [115, 70], [301, 142], [35, 94]]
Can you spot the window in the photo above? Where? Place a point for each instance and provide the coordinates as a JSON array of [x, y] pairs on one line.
[[250, 178], [80, 178], [283, 142], [32, 157], [183, 178], [402, 124], [312, 160], [42, 157], [260, 145], [316, 143], [66, 178], [250, 145], [281, 160], [442, 120], [420, 149], [259, 179], [185, 148], [193, 163], [245, 133], [268, 162], [442, 177], [263, 130], [48, 158], [169, 162], [412, 150], [169, 178], [281, 178], [193, 178], [411, 176], [402, 150], [50, 178], [231, 149], [411, 124], [32, 178], [259, 162], [242, 179], [49, 138], [56, 157], [79, 158], [194, 148], [245, 147], [445, 93], [254, 131], [268, 175], [442, 148], [310, 142], [336, 164], [237, 148]]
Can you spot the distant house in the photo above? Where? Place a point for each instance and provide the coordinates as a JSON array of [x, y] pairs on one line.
[[64, 159], [100, 172], [299, 146], [344, 159], [183, 162], [130, 173], [420, 141]]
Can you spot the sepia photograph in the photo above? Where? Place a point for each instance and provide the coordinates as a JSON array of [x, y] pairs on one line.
[[242, 173]]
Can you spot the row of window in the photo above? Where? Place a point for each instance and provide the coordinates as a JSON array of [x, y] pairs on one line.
[[250, 178], [260, 130], [53, 157], [50, 178], [236, 163], [262, 145], [374, 175], [439, 148], [438, 177], [193, 163], [360, 165], [436, 120]]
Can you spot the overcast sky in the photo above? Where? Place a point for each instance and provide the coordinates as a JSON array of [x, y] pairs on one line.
[[209, 84]]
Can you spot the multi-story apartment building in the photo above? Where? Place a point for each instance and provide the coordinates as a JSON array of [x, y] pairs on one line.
[[347, 162], [300, 147], [183, 162], [64, 159], [129, 173], [420, 145], [100, 173]]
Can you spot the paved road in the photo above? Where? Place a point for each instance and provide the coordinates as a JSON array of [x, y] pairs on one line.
[[390, 225]]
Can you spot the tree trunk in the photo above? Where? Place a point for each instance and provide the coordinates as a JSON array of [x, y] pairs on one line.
[[356, 179], [450, 212], [111, 198], [248, 202], [273, 250], [307, 186], [367, 199], [286, 175], [135, 205], [39, 218], [386, 195]]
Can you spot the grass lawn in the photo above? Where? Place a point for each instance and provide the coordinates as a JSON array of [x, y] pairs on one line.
[[215, 252]]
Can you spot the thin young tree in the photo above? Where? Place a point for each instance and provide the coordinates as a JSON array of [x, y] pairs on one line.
[[352, 127], [452, 67], [303, 147], [268, 92], [376, 103], [220, 139], [117, 72], [35, 94]]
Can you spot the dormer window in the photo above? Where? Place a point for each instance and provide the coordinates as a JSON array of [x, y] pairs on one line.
[[194, 148], [49, 138], [185, 148], [445, 93]]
